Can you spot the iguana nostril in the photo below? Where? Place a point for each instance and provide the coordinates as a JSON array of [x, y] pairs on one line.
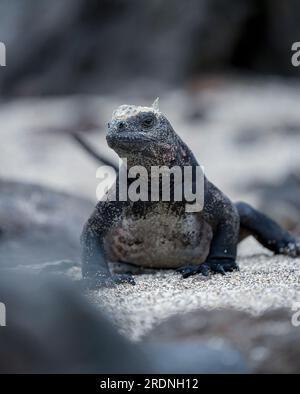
[[121, 126]]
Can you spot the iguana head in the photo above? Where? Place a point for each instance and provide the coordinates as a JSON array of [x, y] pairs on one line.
[[142, 134]]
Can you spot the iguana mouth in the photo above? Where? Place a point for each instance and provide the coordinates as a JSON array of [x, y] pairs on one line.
[[129, 140]]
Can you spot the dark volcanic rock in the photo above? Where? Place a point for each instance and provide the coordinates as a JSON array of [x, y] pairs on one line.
[[39, 225], [268, 342], [51, 328], [188, 357]]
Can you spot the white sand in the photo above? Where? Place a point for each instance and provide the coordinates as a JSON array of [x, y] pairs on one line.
[[264, 282]]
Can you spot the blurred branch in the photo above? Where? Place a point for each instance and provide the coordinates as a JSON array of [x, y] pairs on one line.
[[91, 151]]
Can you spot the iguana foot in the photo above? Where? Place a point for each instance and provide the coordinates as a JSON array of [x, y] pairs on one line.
[[189, 270], [291, 249], [214, 266], [221, 266]]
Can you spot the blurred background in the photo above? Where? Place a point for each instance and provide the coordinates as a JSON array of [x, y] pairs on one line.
[[107, 46], [222, 70]]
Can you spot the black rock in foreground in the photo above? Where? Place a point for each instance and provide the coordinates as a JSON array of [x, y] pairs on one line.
[[51, 328]]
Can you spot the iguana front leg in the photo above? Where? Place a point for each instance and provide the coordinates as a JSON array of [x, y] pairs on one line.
[[222, 255], [95, 269], [223, 249], [224, 218]]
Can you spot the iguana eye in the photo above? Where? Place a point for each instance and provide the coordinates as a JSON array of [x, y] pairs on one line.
[[148, 121]]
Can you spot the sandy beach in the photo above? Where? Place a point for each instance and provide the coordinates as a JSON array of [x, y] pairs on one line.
[[264, 283]]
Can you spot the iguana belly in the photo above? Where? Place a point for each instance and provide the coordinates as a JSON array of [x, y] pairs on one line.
[[159, 240]]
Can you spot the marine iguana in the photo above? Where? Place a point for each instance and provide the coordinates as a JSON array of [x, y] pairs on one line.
[[161, 234]]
